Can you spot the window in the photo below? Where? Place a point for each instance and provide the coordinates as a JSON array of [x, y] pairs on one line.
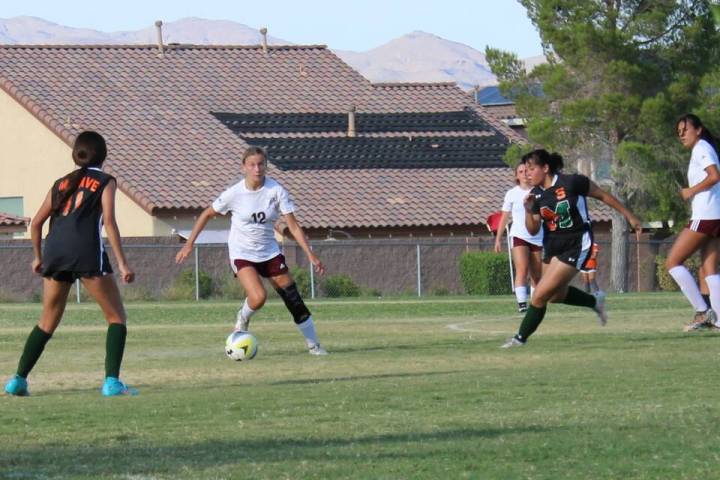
[[12, 205]]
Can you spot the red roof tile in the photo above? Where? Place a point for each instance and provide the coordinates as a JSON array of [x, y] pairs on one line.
[[7, 220]]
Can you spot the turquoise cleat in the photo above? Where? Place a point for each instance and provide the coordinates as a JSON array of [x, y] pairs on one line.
[[113, 387], [17, 386]]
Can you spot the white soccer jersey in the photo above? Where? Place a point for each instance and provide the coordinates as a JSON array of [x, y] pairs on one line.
[[514, 203], [254, 213], [705, 205]]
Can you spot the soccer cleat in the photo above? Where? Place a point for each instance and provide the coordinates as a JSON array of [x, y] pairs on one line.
[[241, 324], [600, 307], [17, 386], [522, 307], [113, 387], [513, 342], [317, 350], [702, 320]]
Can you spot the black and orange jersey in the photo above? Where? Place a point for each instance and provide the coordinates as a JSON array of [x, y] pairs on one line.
[[74, 242], [562, 206]]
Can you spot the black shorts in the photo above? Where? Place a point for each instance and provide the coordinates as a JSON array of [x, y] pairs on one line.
[[70, 276], [573, 250]]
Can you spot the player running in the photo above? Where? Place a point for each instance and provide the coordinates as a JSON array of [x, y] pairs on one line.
[[703, 231], [256, 202], [558, 202], [78, 205], [589, 271], [526, 248]]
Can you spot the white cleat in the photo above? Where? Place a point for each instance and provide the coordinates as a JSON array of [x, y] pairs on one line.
[[600, 307], [702, 321], [317, 350], [512, 342], [241, 324]]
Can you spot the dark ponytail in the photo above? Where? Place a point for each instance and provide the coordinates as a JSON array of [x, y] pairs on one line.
[[695, 121], [542, 157], [89, 150]]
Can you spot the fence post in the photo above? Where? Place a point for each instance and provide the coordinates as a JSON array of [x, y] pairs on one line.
[[197, 274], [77, 290], [419, 274], [312, 280]]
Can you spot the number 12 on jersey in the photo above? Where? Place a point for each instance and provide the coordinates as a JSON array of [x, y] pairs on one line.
[[258, 217]]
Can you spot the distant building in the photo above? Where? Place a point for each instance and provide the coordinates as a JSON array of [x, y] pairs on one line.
[[500, 107], [365, 159]]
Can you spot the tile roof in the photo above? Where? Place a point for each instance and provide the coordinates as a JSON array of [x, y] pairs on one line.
[[170, 150], [503, 112], [8, 220]]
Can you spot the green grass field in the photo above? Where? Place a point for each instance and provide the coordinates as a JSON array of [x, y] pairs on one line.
[[412, 389]]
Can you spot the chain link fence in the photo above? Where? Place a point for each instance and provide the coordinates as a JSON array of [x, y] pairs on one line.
[[354, 268]]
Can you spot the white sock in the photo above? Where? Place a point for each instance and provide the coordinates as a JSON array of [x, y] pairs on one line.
[[521, 293], [307, 328], [713, 283], [687, 284], [245, 313]]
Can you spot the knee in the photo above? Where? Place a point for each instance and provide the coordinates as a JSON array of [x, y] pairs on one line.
[[116, 317], [256, 299]]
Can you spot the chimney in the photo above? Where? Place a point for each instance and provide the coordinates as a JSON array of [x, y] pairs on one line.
[[351, 133], [263, 32], [158, 27]]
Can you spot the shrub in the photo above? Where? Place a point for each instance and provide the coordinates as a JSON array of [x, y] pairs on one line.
[[340, 286], [441, 292], [135, 293], [371, 292], [230, 289], [302, 280], [485, 273], [665, 281], [183, 288]]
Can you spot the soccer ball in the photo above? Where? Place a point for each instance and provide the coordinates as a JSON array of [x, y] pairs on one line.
[[241, 346]]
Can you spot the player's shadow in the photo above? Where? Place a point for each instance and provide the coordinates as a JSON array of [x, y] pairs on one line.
[[124, 455], [353, 378]]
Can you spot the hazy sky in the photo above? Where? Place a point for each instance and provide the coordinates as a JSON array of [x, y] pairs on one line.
[[341, 24]]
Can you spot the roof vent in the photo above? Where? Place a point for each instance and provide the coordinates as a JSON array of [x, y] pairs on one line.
[[263, 32], [351, 132], [158, 27]]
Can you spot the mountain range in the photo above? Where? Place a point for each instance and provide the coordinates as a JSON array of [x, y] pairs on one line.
[[415, 57]]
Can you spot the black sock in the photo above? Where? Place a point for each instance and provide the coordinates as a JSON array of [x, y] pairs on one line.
[[706, 297], [531, 321], [575, 296], [34, 347], [114, 349]]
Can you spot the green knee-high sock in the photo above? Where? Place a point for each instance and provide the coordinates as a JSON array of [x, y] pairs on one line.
[[531, 321], [34, 347], [114, 348], [575, 296]]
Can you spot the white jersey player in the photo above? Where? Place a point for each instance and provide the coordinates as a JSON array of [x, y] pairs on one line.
[[703, 231], [256, 203], [526, 248]]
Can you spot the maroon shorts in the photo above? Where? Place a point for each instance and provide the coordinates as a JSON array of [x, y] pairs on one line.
[[710, 228], [269, 268], [519, 242]]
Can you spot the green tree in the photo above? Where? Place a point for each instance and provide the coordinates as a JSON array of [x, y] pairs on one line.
[[619, 72]]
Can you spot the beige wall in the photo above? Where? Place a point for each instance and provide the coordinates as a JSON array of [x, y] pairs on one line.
[[34, 157]]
